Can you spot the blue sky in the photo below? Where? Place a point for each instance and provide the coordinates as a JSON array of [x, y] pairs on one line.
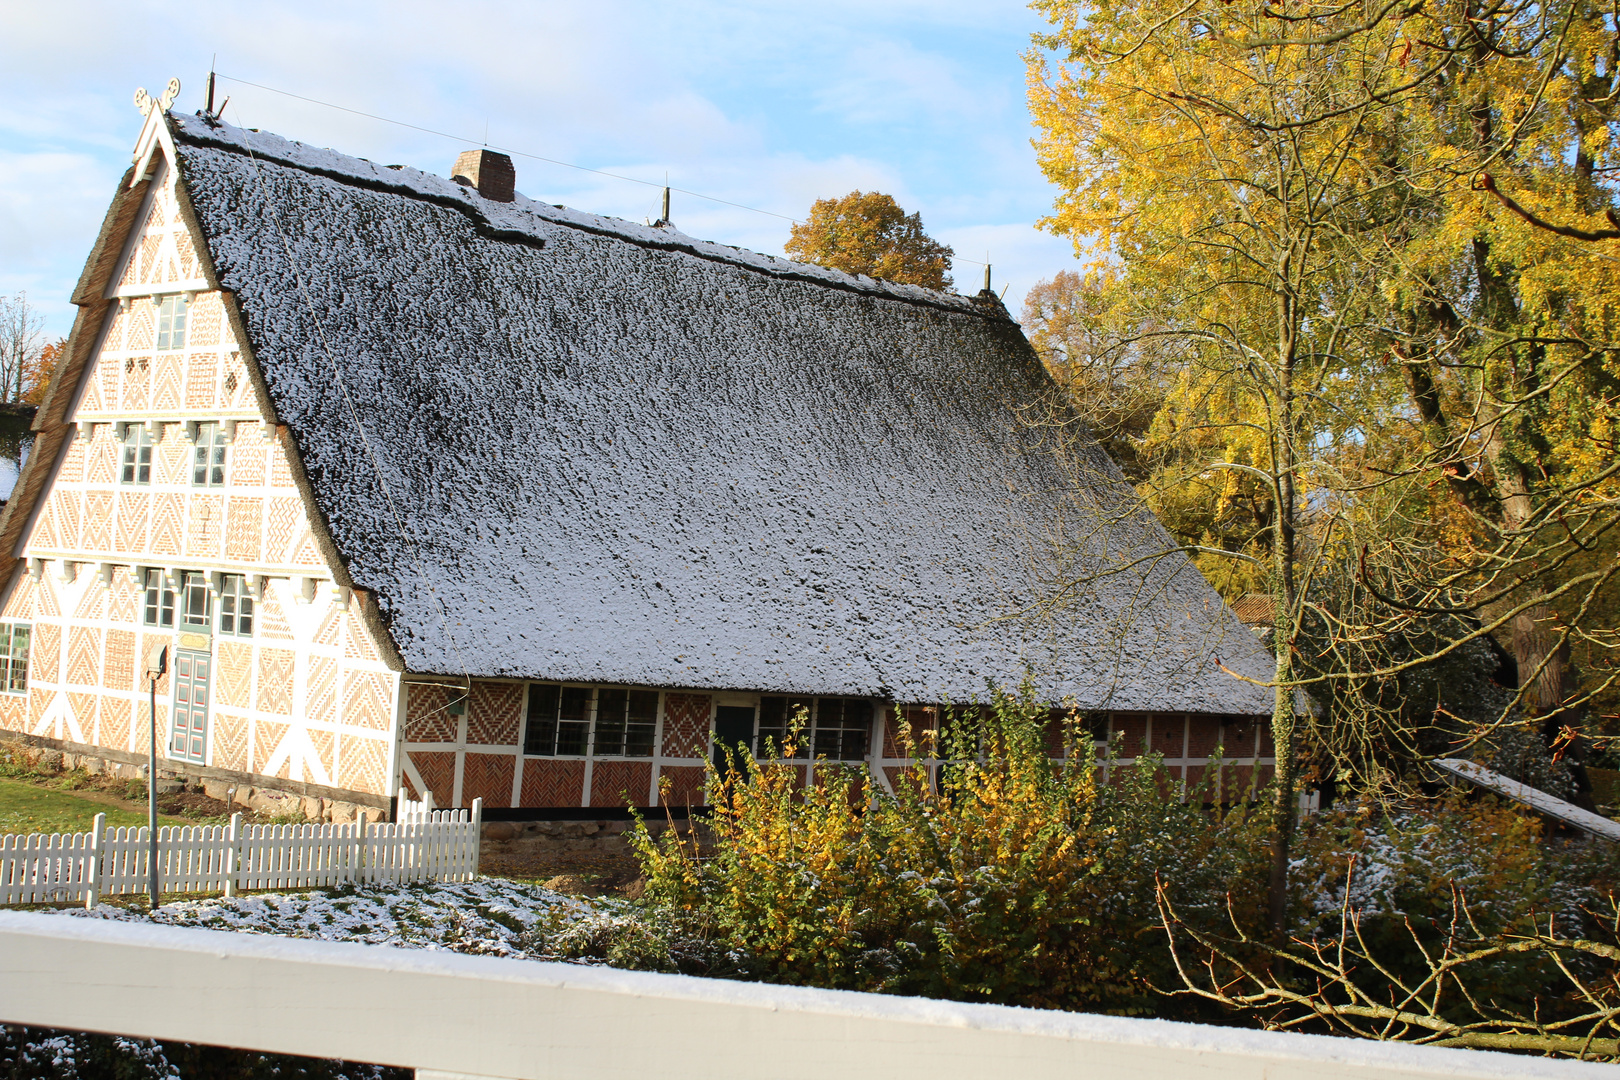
[[766, 104]]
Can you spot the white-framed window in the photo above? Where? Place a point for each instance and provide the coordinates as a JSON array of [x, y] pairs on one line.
[[14, 639], [575, 721], [159, 607], [171, 324], [836, 728], [208, 456], [137, 455], [196, 603], [235, 607]]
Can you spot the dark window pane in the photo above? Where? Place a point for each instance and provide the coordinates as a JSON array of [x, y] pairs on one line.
[[573, 719], [641, 724], [610, 714], [540, 733]]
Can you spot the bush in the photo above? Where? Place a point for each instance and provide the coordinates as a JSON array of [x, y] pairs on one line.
[[1012, 877]]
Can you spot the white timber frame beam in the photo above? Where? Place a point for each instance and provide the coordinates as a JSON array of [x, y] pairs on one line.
[[450, 1015]]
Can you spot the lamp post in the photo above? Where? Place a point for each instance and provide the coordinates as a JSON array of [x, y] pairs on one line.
[[157, 662]]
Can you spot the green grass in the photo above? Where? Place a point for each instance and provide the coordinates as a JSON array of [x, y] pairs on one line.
[[27, 808]]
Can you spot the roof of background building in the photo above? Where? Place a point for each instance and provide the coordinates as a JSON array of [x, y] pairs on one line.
[[556, 445]]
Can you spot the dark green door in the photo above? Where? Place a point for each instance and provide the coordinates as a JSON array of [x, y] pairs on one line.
[[733, 735]]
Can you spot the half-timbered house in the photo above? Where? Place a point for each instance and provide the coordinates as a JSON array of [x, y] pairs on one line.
[[433, 487]]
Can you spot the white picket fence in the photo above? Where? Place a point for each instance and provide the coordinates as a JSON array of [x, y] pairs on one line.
[[423, 845]]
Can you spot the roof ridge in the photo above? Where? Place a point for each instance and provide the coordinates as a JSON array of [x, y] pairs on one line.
[[413, 183]]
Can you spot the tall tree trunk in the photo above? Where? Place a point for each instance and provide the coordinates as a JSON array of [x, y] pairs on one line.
[[1284, 735]]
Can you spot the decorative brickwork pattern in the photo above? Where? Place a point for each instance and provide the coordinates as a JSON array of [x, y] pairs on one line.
[[487, 777], [40, 702], [285, 516], [168, 395], [243, 534], [686, 725], [167, 514], [92, 603], [143, 651], [272, 620], [118, 661], [171, 457], [331, 627], [233, 676], [229, 734], [45, 663], [46, 603], [101, 462], [268, 737], [84, 656], [681, 786], [206, 537], [357, 643], [200, 374], [115, 723], [548, 782], [620, 783], [134, 507], [320, 694], [121, 599], [494, 714], [321, 759], [73, 462], [13, 712], [438, 771], [98, 522], [81, 716], [366, 700], [247, 458], [363, 765], [276, 681], [426, 720]]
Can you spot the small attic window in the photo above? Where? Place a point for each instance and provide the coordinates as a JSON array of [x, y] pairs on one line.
[[137, 455], [171, 324]]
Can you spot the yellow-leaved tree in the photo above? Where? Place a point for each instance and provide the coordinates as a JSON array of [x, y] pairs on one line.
[[868, 233]]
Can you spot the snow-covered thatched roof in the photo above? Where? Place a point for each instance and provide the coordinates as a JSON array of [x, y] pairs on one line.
[[555, 445]]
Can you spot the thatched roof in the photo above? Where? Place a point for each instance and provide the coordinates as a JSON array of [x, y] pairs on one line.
[[556, 445]]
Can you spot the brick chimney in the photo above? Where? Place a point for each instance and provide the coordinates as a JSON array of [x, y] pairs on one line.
[[491, 173]]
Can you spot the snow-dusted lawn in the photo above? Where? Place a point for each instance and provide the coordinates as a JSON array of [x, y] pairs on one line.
[[490, 916]]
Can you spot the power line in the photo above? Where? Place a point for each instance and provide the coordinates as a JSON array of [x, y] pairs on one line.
[[506, 149]]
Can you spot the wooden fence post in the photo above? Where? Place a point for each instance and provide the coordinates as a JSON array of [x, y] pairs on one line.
[[233, 855], [92, 879], [477, 836], [357, 866]]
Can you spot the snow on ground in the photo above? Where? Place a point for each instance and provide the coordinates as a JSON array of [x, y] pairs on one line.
[[490, 916]]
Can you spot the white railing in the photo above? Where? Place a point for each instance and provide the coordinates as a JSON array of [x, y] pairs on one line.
[[448, 1015], [423, 845]]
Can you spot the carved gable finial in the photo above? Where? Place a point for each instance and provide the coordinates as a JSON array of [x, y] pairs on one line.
[[145, 102]]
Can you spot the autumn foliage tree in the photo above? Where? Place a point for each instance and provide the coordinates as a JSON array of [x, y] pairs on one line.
[[868, 233]]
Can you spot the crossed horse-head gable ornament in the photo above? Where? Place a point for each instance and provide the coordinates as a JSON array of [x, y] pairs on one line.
[[146, 102]]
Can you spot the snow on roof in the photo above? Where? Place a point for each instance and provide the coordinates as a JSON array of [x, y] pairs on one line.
[[620, 454]]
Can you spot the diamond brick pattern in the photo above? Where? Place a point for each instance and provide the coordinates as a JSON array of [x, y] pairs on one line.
[[686, 725], [285, 516], [233, 676], [200, 374], [167, 511], [115, 723], [243, 394], [620, 783], [487, 777], [548, 782], [494, 713], [247, 458], [134, 508], [366, 700], [438, 773], [84, 654], [98, 522], [228, 732], [205, 536], [136, 368], [242, 534], [320, 690], [171, 457], [118, 662], [425, 718], [363, 764], [681, 786], [276, 681], [121, 599]]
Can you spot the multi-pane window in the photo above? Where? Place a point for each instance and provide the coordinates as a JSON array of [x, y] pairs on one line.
[[159, 600], [208, 456], [835, 728], [561, 720], [625, 722], [235, 606], [171, 323], [137, 455], [14, 656], [196, 603]]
